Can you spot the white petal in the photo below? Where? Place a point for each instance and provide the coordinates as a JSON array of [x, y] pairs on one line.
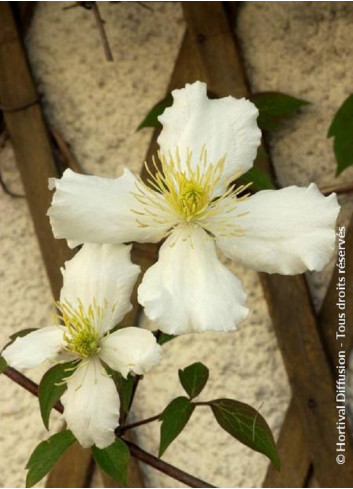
[[287, 231], [89, 209], [91, 405], [225, 127], [103, 275], [35, 348], [189, 290], [130, 350]]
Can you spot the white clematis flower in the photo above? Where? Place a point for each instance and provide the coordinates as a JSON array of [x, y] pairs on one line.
[[204, 145], [95, 296]]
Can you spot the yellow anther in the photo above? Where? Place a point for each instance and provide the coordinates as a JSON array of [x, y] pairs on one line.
[[81, 335]]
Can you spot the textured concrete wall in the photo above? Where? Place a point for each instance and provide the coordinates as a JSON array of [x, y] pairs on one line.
[[295, 47]]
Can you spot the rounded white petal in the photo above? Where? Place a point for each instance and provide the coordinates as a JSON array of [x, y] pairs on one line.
[[35, 348], [90, 209], [101, 275], [91, 405], [130, 350], [287, 231], [225, 127], [189, 290]]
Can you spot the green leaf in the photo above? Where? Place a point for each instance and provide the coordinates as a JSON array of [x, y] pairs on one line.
[[174, 419], [23, 332], [151, 120], [274, 107], [246, 425], [342, 130], [52, 387], [3, 364], [194, 378], [258, 177], [46, 454], [126, 387], [113, 460], [165, 338]]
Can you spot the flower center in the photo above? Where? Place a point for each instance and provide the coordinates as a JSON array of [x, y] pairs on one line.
[[81, 336], [177, 193], [191, 199]]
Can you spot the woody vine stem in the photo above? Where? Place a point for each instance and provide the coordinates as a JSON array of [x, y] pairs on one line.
[[135, 450]]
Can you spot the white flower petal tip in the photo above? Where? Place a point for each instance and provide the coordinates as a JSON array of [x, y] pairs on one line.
[[226, 127], [90, 209], [102, 276], [189, 290], [131, 350], [35, 348], [91, 405], [287, 231]]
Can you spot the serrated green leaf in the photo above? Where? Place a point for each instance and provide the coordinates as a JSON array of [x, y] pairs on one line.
[[246, 425], [151, 119], [22, 333], [3, 364], [194, 378], [52, 387], [113, 460], [342, 130], [165, 338], [174, 419], [46, 454], [274, 107]]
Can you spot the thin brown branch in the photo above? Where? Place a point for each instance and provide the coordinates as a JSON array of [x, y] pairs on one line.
[[65, 151], [155, 418], [27, 384], [135, 450], [140, 423], [102, 32], [339, 188], [164, 467], [7, 191]]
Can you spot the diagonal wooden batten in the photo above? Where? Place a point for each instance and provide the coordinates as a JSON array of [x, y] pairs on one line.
[[30, 142], [327, 328], [293, 451], [288, 298], [36, 164]]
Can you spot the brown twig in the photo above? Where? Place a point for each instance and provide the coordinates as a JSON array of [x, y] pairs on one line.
[[135, 450], [65, 151], [102, 32], [140, 423], [155, 418], [164, 467], [100, 24], [339, 188], [7, 191]]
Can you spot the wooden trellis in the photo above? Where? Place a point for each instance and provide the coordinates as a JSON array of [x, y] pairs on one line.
[[210, 53]]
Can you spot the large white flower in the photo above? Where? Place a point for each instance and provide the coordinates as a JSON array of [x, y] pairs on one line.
[[204, 146], [95, 296]]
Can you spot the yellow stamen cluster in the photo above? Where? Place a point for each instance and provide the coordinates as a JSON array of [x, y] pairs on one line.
[[81, 336], [176, 193]]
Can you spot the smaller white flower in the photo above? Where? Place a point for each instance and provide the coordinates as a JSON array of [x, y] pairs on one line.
[[95, 296]]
